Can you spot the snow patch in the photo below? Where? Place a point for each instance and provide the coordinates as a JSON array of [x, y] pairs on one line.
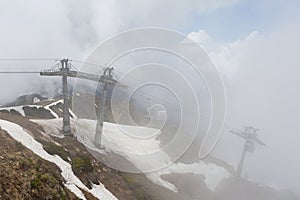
[[72, 181], [132, 147], [53, 104], [213, 173], [17, 108], [46, 107], [36, 100], [51, 127], [21, 110]]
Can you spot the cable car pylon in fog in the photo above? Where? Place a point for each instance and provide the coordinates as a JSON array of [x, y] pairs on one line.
[[250, 135], [65, 69]]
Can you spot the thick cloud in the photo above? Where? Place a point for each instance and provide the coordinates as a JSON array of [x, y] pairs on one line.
[[261, 76], [72, 28]]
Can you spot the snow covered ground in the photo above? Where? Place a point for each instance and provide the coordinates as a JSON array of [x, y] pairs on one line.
[[46, 107], [73, 183], [213, 173], [16, 108], [135, 143], [55, 103], [21, 110]]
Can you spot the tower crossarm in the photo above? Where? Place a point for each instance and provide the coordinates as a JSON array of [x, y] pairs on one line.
[[81, 75], [258, 141], [240, 134], [53, 73]]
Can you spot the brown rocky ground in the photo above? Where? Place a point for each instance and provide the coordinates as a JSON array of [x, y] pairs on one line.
[[20, 167], [24, 175]]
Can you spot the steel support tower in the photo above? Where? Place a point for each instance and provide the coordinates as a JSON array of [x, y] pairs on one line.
[[249, 134], [64, 69]]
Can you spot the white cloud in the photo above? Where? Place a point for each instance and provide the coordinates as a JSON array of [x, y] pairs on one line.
[[261, 75], [72, 28], [226, 56]]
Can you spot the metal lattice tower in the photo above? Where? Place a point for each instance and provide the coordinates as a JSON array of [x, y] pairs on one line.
[[64, 69], [66, 115], [249, 134], [100, 105]]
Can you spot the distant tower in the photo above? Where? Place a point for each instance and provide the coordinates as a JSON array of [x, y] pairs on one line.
[[249, 134]]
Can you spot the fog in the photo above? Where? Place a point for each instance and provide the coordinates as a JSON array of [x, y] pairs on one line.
[[260, 70], [261, 75], [57, 29]]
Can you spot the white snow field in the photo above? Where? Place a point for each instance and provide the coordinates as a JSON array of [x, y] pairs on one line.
[[73, 183], [125, 141]]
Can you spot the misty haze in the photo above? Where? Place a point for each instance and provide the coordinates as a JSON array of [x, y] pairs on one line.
[[150, 100]]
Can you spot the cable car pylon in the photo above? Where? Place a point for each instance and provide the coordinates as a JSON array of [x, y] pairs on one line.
[[249, 134], [65, 69]]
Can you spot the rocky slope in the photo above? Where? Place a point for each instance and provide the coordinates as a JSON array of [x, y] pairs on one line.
[[25, 175]]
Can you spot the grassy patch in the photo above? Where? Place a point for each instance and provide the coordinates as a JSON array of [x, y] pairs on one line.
[[54, 149], [25, 164], [35, 183], [19, 146], [81, 164], [137, 189]]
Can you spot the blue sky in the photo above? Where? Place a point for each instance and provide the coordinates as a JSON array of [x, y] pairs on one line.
[[237, 21]]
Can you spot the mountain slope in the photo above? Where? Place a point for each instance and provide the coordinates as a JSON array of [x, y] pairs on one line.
[[210, 179], [88, 181]]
